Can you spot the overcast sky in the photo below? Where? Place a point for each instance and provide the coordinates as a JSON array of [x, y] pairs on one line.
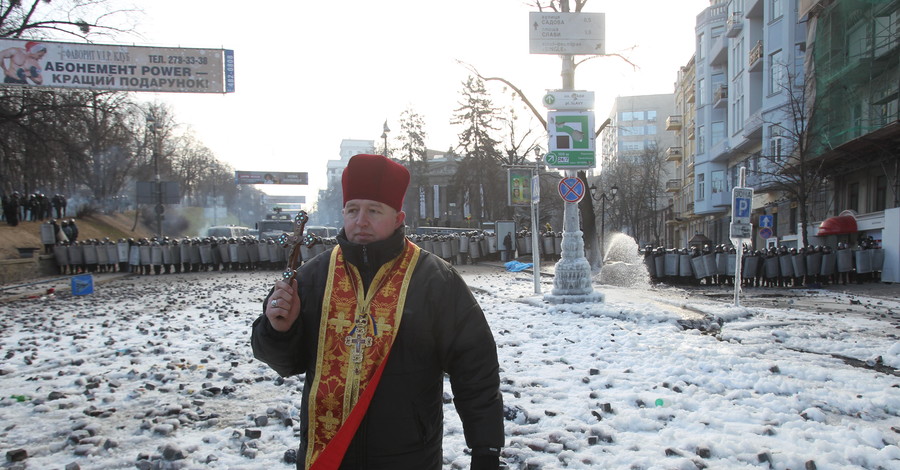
[[308, 77]]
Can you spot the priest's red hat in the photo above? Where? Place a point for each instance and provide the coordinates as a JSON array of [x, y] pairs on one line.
[[377, 178]]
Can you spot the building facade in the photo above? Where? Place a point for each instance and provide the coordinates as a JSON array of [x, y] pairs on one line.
[[784, 89]]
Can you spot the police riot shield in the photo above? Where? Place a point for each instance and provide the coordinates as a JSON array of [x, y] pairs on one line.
[[166, 254], [263, 252], [134, 255], [61, 254], [863, 261], [771, 265], [698, 265], [672, 262], [224, 252], [877, 259], [76, 255], [751, 264], [786, 265], [844, 260], [709, 264], [90, 253], [122, 251], [660, 262], [195, 254], [799, 263], [684, 266], [112, 254], [145, 255], [102, 255], [206, 254], [156, 255], [829, 260]]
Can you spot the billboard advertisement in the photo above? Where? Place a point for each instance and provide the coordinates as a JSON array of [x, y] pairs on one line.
[[270, 177], [519, 187], [115, 67]]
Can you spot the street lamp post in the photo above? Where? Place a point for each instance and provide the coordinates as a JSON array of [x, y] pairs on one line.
[[384, 135], [603, 198]]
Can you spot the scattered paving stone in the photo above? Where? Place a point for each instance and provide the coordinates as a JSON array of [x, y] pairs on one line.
[[16, 455]]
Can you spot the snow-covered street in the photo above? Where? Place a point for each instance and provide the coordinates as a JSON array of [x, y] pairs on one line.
[[157, 372]]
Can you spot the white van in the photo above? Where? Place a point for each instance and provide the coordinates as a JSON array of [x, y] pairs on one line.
[[227, 231]]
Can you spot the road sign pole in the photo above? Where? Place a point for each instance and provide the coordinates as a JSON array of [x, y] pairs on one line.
[[740, 215]]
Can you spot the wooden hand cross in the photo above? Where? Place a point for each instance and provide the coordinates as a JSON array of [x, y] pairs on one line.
[[295, 241]]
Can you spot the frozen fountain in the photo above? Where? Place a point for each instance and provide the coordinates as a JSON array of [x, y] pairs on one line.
[[623, 264]]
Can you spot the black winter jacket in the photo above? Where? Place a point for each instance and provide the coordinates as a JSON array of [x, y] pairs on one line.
[[443, 330]]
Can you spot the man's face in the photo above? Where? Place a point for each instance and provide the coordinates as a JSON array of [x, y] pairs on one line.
[[367, 221]]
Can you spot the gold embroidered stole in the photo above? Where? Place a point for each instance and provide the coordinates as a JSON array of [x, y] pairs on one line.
[[355, 336]]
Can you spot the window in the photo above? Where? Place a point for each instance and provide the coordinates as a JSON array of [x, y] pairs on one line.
[[718, 181], [737, 104], [626, 116], [700, 84], [799, 58], [701, 186], [880, 193], [776, 142], [853, 197], [776, 9], [777, 71], [793, 222], [631, 146], [717, 132], [651, 116], [701, 46], [737, 56], [701, 139]]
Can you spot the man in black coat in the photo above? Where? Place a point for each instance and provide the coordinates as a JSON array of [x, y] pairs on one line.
[[351, 342]]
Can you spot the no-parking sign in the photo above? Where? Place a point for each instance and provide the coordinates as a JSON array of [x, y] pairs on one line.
[[571, 189]]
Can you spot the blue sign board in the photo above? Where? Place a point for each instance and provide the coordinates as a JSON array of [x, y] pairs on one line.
[[83, 284], [765, 221]]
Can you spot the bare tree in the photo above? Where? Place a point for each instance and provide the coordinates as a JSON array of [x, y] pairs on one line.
[[637, 208], [192, 163], [788, 164], [81, 19]]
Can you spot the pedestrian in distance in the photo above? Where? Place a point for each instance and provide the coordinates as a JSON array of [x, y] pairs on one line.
[[375, 323]]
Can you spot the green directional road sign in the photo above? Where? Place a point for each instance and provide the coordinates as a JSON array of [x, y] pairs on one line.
[[572, 143]]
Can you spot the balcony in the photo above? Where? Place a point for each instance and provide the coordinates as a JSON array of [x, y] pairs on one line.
[[689, 94], [674, 154], [755, 59], [734, 25], [673, 186], [753, 126], [691, 131], [720, 96], [673, 123]]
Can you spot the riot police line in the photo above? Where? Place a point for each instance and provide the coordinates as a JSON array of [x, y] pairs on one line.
[[473, 246], [813, 266], [176, 255], [194, 254]]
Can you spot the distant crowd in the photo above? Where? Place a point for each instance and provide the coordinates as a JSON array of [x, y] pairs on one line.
[[33, 207]]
